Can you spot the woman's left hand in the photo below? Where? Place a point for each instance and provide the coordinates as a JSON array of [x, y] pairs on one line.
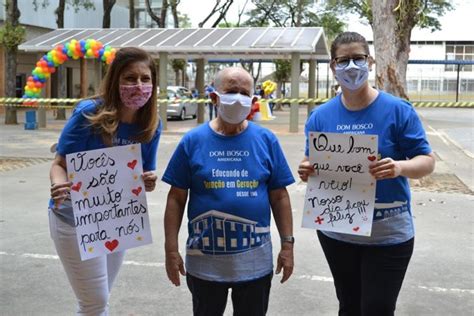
[[386, 168], [149, 178]]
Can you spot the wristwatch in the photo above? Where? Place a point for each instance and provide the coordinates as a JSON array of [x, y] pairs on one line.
[[288, 239]]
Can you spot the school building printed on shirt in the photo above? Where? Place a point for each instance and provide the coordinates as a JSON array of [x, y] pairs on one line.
[[216, 233]]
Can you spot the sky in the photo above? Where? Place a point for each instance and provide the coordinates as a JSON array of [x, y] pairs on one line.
[[197, 10]]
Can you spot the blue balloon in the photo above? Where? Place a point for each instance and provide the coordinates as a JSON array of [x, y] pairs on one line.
[[36, 78]]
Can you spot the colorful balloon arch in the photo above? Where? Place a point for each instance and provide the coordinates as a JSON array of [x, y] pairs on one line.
[[57, 56]]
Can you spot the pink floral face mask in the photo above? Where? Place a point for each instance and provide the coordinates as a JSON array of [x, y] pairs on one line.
[[135, 96]]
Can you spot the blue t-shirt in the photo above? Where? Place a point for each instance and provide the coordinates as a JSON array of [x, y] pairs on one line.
[[229, 179], [400, 136], [78, 135]]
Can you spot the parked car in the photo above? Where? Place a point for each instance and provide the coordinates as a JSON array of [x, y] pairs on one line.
[[178, 108]]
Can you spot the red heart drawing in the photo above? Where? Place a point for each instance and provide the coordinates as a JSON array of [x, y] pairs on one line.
[[111, 245], [137, 191], [371, 158], [76, 187], [355, 229], [132, 164]]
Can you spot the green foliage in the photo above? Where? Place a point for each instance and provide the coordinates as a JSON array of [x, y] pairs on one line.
[[184, 20], [284, 13], [178, 64], [424, 12], [282, 70], [11, 36], [76, 4]]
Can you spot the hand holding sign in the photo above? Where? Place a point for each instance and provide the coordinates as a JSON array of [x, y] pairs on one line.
[[108, 199], [340, 196]]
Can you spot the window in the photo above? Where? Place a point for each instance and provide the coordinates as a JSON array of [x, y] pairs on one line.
[[220, 242], [232, 226], [205, 241], [459, 51], [218, 224], [431, 85], [449, 85], [233, 242]]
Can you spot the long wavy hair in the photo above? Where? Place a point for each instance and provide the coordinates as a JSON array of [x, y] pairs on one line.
[[107, 118]]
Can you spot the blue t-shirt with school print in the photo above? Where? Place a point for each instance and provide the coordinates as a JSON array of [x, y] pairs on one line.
[[400, 136], [78, 135], [229, 179]]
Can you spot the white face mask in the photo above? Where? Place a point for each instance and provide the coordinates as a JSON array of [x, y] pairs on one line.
[[233, 108], [352, 76]]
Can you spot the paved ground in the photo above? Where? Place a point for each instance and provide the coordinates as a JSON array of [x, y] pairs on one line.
[[440, 279]]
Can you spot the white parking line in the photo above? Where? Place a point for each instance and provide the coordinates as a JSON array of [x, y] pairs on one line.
[[317, 278]]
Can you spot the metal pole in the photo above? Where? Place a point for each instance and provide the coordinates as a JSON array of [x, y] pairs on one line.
[[327, 81], [317, 80], [295, 91], [311, 84], [200, 86], [457, 82], [163, 70]]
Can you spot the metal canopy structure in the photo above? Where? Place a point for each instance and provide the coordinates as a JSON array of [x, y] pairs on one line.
[[200, 44], [246, 43]]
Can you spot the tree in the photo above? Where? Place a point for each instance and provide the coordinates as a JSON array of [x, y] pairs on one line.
[[178, 65], [59, 12], [108, 6], [11, 35], [160, 20], [392, 22], [220, 9], [131, 13], [292, 13]]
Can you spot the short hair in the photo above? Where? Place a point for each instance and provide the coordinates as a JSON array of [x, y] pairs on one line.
[[107, 118], [348, 38]]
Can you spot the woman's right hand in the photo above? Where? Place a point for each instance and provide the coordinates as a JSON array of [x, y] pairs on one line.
[[59, 192], [305, 170]]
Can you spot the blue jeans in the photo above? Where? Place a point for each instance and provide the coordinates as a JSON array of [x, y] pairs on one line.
[[248, 298], [212, 108], [367, 278]]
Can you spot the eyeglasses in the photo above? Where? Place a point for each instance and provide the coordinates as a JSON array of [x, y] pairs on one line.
[[343, 62]]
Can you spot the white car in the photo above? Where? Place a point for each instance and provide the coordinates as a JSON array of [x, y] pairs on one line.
[[177, 108]]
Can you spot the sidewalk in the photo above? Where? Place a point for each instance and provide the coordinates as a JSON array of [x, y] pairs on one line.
[[33, 278]]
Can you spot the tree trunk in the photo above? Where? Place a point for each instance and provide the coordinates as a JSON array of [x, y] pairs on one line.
[[107, 6], [174, 11], [392, 44], [278, 105], [13, 17], [11, 113], [62, 90], [176, 77], [60, 71], [60, 14], [131, 13]]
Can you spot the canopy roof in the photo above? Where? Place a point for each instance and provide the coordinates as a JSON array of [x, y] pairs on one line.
[[216, 43]]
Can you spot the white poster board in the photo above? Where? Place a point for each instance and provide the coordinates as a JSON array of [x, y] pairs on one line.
[[109, 201], [340, 196]]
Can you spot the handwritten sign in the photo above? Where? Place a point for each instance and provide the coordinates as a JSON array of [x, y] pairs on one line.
[[340, 196], [108, 199]]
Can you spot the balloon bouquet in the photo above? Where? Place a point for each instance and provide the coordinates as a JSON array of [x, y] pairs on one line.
[[260, 110], [75, 49]]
